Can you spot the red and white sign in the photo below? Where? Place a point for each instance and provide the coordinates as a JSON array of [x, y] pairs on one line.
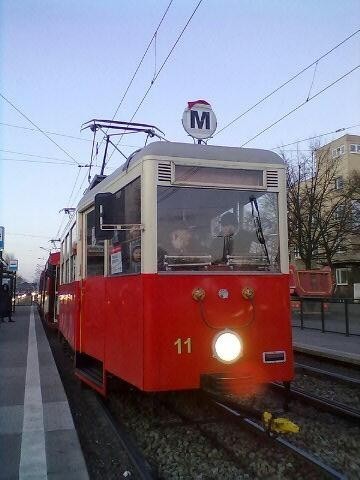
[[199, 120]]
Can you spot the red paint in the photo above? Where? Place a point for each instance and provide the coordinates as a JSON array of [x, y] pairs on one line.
[[48, 289], [131, 324], [69, 313]]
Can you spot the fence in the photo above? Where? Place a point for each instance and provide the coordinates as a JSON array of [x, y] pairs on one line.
[[335, 315]]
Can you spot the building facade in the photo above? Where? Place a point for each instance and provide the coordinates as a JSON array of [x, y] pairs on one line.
[[345, 151]]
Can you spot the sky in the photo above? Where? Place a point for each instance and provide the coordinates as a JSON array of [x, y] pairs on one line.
[[64, 63]]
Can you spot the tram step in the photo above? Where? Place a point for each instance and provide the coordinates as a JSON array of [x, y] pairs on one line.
[[90, 371]]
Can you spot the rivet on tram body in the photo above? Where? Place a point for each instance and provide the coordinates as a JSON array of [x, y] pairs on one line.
[[248, 293], [198, 294]]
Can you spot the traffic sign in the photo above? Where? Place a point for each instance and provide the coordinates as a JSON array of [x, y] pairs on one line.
[[13, 265]]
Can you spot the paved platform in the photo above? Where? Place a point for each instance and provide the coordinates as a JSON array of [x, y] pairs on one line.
[[37, 435], [333, 345]]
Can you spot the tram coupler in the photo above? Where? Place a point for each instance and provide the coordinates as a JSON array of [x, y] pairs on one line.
[[222, 384]]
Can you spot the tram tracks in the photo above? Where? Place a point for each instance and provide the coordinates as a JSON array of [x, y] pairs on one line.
[[320, 403], [254, 426], [143, 468], [328, 388], [217, 438], [324, 373]]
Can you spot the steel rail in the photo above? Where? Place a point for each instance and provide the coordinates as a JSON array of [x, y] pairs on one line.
[[328, 374], [144, 469], [235, 410], [322, 403], [186, 420]]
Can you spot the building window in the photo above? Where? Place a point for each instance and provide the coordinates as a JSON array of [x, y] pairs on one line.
[[355, 148], [356, 213], [339, 212], [342, 276], [336, 152], [339, 183]]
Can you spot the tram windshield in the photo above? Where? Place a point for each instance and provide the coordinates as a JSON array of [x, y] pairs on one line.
[[214, 229]]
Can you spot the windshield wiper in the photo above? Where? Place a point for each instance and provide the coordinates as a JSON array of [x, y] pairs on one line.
[[258, 227]]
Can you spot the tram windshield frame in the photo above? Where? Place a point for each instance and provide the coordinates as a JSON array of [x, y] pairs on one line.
[[194, 231]]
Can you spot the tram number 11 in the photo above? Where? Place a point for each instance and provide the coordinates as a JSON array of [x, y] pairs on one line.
[[183, 346]]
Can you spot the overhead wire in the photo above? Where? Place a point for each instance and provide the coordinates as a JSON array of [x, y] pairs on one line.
[[37, 156], [72, 191], [37, 127], [26, 235], [142, 59], [300, 105], [50, 133], [316, 61], [342, 129], [139, 64], [121, 101], [49, 162], [59, 134], [160, 70]]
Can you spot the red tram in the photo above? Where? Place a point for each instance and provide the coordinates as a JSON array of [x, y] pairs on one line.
[[48, 286], [175, 271]]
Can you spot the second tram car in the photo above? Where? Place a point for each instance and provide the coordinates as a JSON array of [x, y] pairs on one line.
[[48, 286], [175, 271]]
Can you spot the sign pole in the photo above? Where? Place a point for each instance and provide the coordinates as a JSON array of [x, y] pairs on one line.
[[1, 268], [2, 241], [14, 292]]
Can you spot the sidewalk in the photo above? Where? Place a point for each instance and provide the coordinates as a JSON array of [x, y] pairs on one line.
[[37, 434], [332, 345]]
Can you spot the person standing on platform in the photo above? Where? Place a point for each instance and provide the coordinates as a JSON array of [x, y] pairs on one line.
[[5, 303]]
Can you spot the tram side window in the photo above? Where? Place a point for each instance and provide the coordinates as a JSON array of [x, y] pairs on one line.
[[63, 278], [94, 249], [125, 246], [72, 253]]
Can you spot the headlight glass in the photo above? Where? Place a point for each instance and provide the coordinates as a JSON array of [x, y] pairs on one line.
[[227, 346]]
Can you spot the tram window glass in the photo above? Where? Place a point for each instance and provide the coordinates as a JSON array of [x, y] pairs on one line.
[[192, 231], [94, 248], [62, 256], [72, 253], [67, 271], [125, 246]]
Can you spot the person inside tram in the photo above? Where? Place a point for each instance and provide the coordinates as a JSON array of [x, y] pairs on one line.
[[136, 259], [230, 241], [183, 242], [179, 242]]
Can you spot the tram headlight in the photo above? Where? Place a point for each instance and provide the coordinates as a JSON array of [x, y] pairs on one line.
[[227, 346]]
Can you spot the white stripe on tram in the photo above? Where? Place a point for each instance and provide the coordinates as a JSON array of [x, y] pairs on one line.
[[33, 455]]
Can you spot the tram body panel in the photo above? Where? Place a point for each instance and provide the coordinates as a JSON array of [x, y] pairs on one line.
[[124, 328], [93, 317], [69, 313], [178, 342]]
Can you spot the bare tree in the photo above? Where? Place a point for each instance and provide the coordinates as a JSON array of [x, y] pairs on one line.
[[322, 207]]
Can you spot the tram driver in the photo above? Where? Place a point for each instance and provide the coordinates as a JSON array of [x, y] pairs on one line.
[[231, 240]]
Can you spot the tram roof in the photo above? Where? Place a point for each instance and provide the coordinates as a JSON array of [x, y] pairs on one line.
[[205, 152], [188, 150]]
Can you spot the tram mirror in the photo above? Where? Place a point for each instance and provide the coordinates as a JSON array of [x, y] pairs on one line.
[[104, 216]]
